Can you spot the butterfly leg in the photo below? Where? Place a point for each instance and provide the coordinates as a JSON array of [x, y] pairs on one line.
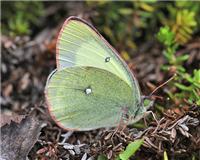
[[126, 124], [123, 123], [118, 127], [153, 115]]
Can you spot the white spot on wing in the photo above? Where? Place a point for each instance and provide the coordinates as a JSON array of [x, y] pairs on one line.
[[107, 59], [88, 91]]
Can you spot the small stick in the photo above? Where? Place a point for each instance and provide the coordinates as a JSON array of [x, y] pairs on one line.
[[162, 85]]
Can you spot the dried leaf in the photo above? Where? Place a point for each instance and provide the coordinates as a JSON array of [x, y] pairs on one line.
[[6, 119], [18, 139]]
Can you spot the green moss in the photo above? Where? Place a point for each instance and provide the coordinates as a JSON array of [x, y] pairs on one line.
[[19, 17], [187, 84]]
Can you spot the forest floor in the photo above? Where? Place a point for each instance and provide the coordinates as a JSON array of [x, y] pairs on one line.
[[26, 64]]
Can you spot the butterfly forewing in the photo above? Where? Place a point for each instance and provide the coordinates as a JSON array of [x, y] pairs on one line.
[[80, 44]]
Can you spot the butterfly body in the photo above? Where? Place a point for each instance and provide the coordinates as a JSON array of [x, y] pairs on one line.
[[92, 84]]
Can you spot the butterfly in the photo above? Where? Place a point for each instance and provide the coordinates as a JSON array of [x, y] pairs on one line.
[[92, 86]]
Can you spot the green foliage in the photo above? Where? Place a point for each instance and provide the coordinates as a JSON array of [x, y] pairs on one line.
[[125, 23], [131, 149], [17, 25], [182, 19], [101, 157], [189, 85], [192, 90], [18, 17], [184, 26], [167, 38], [165, 155]]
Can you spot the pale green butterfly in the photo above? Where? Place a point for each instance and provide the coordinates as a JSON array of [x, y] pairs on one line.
[[92, 86]]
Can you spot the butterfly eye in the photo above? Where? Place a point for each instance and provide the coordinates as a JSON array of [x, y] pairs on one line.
[[107, 59], [88, 91]]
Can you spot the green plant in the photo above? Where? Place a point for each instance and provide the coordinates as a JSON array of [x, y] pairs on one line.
[[189, 85], [192, 89], [165, 155], [102, 157], [131, 149], [167, 38], [17, 25], [182, 19], [18, 17], [184, 26]]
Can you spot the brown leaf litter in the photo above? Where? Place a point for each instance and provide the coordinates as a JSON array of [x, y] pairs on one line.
[[18, 137]]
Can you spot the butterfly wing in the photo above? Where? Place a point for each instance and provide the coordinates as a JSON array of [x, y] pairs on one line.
[[92, 86], [85, 98], [80, 44]]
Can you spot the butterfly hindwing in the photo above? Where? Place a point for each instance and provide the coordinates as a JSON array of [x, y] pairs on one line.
[[84, 98]]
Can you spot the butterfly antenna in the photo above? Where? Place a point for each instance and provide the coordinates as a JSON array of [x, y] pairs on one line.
[[151, 94]]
